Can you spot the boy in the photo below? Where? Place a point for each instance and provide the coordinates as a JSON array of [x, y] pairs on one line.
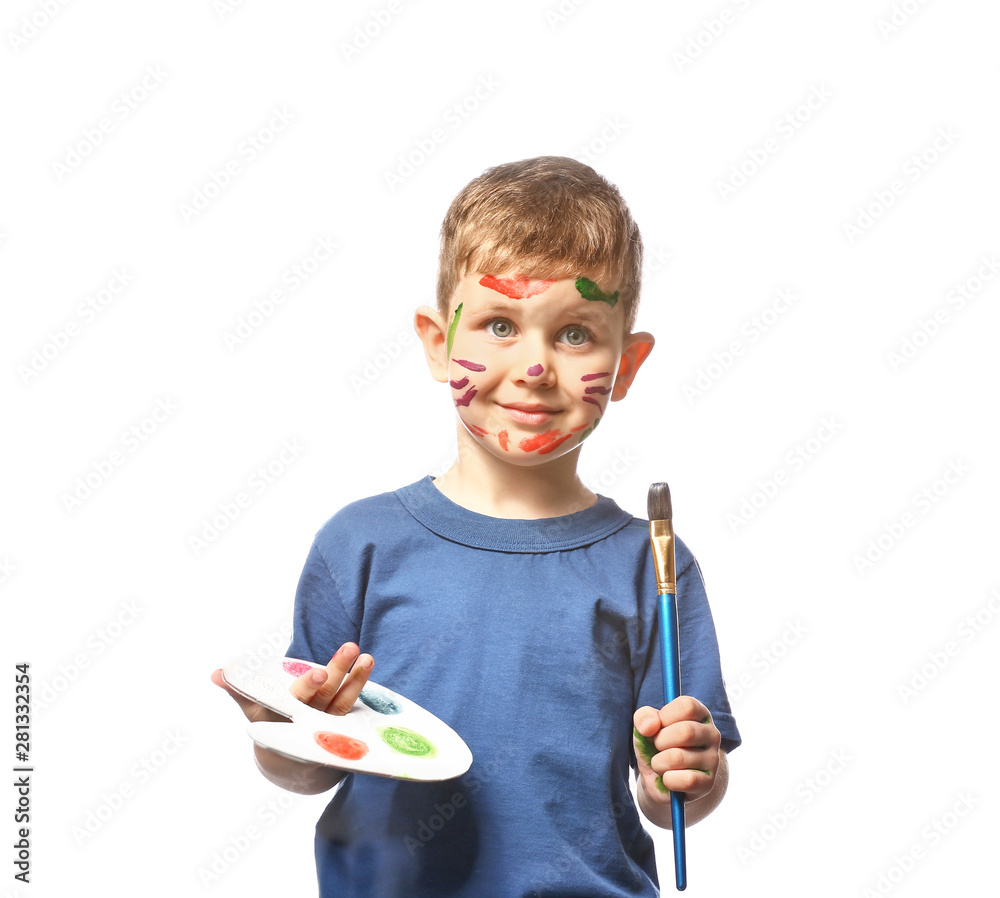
[[504, 596]]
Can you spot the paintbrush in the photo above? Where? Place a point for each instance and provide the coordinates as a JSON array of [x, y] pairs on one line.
[[661, 536]]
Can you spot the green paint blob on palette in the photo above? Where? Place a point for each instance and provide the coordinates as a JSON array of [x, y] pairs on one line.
[[384, 734]]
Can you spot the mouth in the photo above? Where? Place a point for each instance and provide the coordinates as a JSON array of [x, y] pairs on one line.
[[529, 412]]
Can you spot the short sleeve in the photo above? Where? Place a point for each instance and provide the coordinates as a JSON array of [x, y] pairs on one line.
[[701, 669], [321, 622]]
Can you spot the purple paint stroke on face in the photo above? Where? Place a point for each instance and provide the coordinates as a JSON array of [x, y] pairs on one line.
[[592, 401], [472, 366], [602, 390], [466, 398], [458, 384], [535, 370], [596, 376]]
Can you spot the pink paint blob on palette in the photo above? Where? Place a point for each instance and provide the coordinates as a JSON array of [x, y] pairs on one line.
[[384, 734]]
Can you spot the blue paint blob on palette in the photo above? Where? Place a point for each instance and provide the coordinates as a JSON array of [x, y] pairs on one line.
[[379, 700], [384, 734]]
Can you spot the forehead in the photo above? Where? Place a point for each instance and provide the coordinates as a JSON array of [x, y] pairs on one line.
[[584, 296]]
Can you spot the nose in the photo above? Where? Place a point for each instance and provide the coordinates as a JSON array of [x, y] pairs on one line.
[[533, 367]]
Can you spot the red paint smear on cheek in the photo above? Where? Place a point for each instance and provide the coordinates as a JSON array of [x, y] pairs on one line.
[[530, 444], [596, 376], [342, 746], [591, 401], [547, 449], [479, 430], [516, 288], [504, 439], [472, 366], [458, 384], [296, 668]]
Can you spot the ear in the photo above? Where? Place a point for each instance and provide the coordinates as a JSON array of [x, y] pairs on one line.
[[637, 347], [433, 333]]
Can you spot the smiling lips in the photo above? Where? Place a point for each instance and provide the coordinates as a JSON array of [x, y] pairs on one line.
[[529, 412]]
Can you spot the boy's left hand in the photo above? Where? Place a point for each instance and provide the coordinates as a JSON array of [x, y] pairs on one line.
[[677, 749]]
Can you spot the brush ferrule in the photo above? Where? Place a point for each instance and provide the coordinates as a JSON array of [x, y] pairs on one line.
[[661, 537]]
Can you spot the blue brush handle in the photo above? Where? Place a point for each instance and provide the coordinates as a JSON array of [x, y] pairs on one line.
[[671, 664]]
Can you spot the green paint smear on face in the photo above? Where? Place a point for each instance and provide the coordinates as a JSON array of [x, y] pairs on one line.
[[453, 327], [590, 430], [406, 742], [645, 748], [589, 290]]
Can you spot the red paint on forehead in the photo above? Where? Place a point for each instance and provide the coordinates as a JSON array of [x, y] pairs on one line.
[[516, 288]]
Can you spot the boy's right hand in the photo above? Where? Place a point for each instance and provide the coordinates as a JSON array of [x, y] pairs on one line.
[[333, 688]]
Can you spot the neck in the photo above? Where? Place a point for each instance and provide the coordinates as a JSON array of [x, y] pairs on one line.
[[481, 482]]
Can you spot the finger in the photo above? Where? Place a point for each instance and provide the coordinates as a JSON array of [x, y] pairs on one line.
[[684, 707], [676, 760], [307, 687], [336, 670], [688, 734], [350, 689], [646, 720]]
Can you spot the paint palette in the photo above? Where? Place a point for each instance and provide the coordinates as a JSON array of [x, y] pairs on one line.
[[384, 733]]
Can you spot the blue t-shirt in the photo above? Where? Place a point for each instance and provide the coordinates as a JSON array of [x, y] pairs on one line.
[[536, 641]]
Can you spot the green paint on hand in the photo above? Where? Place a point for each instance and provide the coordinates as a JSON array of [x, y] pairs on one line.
[[645, 749], [453, 327], [589, 290], [407, 742]]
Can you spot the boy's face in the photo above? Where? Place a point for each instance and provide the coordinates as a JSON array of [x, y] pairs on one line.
[[532, 364]]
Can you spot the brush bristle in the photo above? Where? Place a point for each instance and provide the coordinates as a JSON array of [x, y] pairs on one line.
[[658, 503]]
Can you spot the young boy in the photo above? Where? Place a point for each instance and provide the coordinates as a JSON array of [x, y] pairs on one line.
[[507, 598]]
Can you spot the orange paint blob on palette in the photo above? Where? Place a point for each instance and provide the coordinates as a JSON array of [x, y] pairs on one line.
[[384, 734], [342, 746]]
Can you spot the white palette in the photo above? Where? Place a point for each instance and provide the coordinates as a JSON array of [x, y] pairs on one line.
[[384, 734]]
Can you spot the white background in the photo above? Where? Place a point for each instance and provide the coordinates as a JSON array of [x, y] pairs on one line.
[[143, 774]]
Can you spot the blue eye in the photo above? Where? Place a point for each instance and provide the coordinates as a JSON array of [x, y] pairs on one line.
[[575, 336], [500, 328]]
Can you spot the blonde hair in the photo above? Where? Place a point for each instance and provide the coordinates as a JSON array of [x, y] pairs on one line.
[[547, 217]]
